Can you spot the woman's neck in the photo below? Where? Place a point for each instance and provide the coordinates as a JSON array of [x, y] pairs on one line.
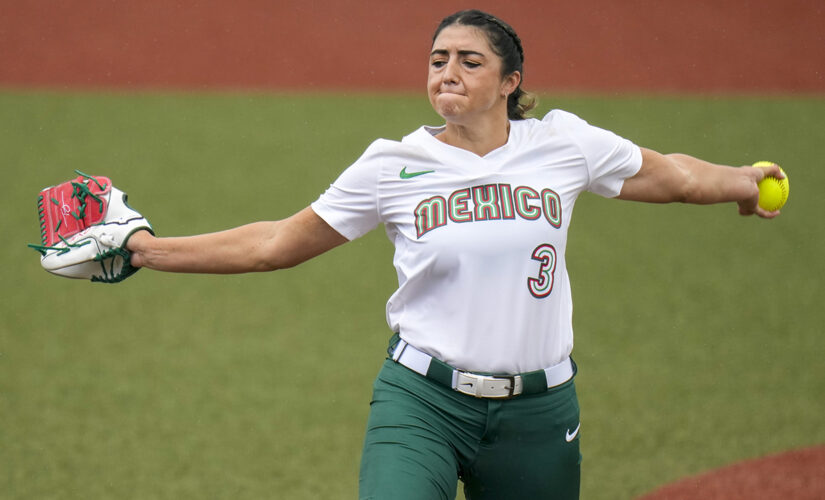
[[479, 137]]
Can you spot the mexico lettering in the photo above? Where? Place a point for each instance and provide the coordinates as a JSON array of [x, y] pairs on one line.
[[488, 202]]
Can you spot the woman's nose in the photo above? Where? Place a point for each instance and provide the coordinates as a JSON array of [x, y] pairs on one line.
[[450, 74]]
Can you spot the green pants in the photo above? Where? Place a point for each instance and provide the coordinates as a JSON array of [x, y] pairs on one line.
[[423, 437]]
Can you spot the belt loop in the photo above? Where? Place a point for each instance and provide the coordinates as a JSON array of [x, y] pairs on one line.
[[441, 372], [394, 339], [534, 382]]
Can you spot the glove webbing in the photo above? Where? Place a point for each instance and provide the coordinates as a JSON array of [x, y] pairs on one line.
[[81, 191]]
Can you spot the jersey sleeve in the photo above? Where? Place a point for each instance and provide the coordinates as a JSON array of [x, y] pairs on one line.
[[610, 159], [350, 204]]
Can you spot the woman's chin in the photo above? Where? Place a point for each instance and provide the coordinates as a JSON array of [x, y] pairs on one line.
[[450, 114], [447, 106]]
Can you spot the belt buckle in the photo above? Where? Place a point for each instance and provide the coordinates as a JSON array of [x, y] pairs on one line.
[[483, 386]]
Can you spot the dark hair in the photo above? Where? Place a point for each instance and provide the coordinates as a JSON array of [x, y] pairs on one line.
[[506, 44]]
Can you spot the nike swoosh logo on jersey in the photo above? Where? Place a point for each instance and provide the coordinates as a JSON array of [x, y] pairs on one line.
[[570, 436], [409, 175]]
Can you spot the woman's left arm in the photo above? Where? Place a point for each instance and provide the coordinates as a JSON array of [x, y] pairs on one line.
[[682, 178]]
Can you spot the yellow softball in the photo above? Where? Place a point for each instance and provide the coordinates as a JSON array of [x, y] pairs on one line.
[[773, 192]]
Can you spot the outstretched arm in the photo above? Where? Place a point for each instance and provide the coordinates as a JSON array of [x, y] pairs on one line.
[[260, 246], [683, 178]]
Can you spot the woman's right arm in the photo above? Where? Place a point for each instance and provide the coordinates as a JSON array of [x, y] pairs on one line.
[[260, 246]]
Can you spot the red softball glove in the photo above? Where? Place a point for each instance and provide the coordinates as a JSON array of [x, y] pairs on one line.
[[84, 226]]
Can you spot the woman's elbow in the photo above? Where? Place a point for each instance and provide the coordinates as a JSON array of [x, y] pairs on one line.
[[269, 264], [269, 258], [690, 190]]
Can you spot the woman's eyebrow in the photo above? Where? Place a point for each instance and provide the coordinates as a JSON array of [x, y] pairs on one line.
[[444, 52]]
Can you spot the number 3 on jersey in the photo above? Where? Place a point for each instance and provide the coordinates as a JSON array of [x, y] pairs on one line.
[[541, 286]]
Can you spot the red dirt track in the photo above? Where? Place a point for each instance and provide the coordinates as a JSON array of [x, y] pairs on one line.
[[685, 46], [591, 45], [795, 475]]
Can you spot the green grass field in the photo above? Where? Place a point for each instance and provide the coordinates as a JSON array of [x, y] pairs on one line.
[[699, 333]]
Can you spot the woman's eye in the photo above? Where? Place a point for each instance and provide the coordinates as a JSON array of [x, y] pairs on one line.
[[438, 64], [471, 64]]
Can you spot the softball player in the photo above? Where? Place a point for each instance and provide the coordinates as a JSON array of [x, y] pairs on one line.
[[478, 383]]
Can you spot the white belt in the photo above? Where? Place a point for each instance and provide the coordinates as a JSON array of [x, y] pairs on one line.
[[480, 386]]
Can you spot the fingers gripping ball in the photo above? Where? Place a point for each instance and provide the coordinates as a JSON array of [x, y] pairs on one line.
[[84, 226], [773, 192]]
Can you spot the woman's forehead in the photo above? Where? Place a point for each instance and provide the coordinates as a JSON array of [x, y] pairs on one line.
[[462, 37]]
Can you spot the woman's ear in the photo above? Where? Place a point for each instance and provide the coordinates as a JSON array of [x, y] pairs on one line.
[[510, 83]]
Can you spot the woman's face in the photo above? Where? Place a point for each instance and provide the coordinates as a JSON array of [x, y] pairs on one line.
[[465, 79]]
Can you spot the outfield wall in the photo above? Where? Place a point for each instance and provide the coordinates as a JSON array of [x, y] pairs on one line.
[[589, 45]]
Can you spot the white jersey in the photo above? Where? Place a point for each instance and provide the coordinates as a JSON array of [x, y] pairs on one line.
[[480, 241]]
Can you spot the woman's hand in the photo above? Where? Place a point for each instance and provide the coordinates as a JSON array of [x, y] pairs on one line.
[[138, 241], [750, 205]]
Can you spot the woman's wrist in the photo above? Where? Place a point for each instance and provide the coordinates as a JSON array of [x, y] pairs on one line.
[[138, 244]]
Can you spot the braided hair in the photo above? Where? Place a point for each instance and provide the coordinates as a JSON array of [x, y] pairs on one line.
[[507, 45]]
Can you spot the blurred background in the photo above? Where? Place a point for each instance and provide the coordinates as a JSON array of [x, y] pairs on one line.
[[592, 45]]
